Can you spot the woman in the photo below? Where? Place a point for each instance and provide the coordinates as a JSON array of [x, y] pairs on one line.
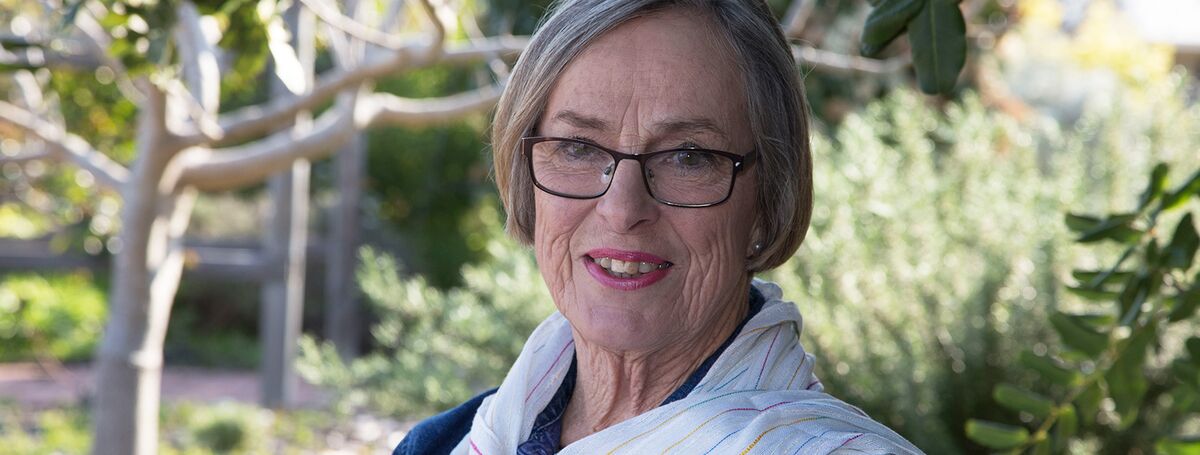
[[655, 155]]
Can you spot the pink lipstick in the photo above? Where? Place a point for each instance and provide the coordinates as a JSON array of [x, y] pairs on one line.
[[625, 270]]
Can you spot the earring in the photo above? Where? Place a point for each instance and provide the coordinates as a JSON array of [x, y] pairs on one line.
[[755, 249]]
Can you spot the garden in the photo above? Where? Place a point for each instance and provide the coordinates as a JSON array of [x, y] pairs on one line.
[[1005, 266]]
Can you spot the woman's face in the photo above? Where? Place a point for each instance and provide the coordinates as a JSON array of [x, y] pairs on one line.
[[654, 83]]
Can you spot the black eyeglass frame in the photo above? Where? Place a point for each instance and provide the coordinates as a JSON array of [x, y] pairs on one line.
[[740, 163]]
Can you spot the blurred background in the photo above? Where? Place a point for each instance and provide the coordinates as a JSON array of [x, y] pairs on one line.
[[937, 253]]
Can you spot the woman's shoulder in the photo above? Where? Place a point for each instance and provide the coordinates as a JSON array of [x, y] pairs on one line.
[[440, 433], [817, 423]]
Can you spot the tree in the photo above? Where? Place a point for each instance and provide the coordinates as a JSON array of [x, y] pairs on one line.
[[166, 56]]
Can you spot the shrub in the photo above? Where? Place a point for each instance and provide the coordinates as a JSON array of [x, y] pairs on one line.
[[436, 348], [937, 243], [60, 316]]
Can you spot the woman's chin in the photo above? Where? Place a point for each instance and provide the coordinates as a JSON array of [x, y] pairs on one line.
[[619, 329]]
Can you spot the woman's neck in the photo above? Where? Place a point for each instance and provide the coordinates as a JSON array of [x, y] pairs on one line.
[[613, 386]]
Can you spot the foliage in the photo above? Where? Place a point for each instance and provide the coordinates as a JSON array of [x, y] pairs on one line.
[[187, 428], [1127, 352], [937, 240], [59, 431], [438, 348], [938, 34], [59, 316], [427, 182]]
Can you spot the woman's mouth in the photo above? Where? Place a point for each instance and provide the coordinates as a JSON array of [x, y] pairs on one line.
[[625, 270], [628, 269]]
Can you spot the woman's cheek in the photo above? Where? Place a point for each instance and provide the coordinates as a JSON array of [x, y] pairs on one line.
[[552, 248], [715, 266]]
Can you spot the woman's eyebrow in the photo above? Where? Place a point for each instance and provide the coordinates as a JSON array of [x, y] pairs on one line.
[[688, 125], [579, 120], [691, 125]]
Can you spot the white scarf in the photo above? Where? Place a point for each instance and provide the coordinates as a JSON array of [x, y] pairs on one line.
[[759, 396]]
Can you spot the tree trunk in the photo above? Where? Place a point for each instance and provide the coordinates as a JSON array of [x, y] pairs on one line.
[[145, 277], [343, 308], [285, 242]]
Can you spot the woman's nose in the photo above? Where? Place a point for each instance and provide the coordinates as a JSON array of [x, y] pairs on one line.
[[627, 204]]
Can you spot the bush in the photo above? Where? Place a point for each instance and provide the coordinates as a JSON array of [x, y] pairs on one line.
[[1104, 351], [938, 242], [60, 316], [436, 348]]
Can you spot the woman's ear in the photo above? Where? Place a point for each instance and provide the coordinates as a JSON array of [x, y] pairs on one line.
[[756, 245]]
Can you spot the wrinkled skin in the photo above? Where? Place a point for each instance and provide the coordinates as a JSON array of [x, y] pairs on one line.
[[635, 347]]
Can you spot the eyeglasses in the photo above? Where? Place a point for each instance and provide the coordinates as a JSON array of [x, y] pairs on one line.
[[681, 177]]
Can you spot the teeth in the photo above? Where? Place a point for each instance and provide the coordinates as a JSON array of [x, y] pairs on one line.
[[629, 269]]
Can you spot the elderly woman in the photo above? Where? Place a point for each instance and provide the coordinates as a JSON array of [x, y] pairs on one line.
[[655, 154]]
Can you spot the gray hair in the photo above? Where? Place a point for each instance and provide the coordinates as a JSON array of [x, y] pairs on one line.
[[777, 108]]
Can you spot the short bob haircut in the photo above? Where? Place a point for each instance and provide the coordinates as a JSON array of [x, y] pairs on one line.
[[776, 106]]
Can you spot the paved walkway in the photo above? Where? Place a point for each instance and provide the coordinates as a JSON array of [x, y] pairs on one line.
[[32, 387]]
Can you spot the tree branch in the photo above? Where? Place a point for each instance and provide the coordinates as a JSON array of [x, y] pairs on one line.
[[252, 121], [22, 157], [232, 167], [439, 31], [387, 109], [348, 25], [201, 74], [107, 171], [393, 14], [38, 57], [835, 63], [796, 17]]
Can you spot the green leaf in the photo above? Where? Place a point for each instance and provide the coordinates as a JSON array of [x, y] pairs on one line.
[[1094, 279], [1177, 198], [1088, 402], [1081, 223], [886, 22], [1182, 249], [1178, 446], [1079, 336], [1156, 187], [996, 435], [1043, 447], [1116, 227], [1018, 399], [1133, 297], [1048, 369], [939, 45], [1067, 425], [1186, 303], [1126, 378], [1186, 372], [1193, 348], [1092, 294]]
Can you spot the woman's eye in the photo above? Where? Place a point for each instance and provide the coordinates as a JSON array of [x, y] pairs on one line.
[[577, 151], [688, 159]]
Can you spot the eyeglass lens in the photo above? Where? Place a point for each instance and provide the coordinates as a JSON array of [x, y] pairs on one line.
[[687, 177]]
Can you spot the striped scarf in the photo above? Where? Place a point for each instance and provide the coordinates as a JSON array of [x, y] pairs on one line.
[[760, 396]]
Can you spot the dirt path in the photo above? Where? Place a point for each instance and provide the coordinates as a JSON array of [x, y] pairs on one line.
[[32, 387]]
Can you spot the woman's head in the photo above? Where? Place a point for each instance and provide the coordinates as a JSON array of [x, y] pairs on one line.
[[776, 108], [629, 79]]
